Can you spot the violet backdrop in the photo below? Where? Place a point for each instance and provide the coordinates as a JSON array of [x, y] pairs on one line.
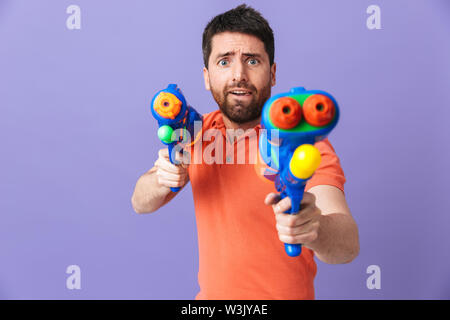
[[76, 133]]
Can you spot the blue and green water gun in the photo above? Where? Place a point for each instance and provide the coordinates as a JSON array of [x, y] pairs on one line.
[[175, 119], [287, 156]]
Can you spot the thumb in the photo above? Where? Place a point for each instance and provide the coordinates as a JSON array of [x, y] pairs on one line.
[[272, 198]]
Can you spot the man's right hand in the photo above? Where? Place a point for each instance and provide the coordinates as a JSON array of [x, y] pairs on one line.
[[170, 175]]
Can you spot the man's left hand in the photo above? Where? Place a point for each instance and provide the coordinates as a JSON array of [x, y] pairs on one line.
[[300, 228]]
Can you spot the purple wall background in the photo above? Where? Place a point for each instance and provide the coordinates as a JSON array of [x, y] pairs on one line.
[[76, 134]]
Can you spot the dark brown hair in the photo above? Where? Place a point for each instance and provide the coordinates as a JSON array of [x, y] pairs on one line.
[[243, 19]]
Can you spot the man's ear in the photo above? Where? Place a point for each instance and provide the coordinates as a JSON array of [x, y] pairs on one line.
[[273, 71], [206, 78]]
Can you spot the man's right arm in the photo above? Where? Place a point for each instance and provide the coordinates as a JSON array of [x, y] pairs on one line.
[[152, 190]]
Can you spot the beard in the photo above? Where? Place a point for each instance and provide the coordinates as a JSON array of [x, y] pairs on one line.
[[238, 110]]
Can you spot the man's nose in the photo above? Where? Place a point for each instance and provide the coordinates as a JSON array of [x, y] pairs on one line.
[[239, 72]]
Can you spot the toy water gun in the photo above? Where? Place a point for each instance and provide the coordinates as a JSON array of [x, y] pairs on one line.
[[170, 109], [294, 121]]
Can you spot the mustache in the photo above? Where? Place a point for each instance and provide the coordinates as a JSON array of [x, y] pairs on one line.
[[242, 85]]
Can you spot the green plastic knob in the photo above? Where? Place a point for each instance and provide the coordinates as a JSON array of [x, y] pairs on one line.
[[165, 134]]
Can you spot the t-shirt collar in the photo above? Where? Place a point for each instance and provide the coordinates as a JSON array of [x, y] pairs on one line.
[[219, 124]]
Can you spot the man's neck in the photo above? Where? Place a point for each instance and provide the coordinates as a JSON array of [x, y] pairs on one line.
[[233, 125]]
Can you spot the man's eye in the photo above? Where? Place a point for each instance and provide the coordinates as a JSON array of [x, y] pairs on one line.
[[223, 62], [253, 61]]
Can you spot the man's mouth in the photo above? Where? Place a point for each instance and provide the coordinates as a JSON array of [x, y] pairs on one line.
[[240, 92]]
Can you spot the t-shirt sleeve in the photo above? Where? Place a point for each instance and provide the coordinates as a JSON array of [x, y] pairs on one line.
[[330, 171]]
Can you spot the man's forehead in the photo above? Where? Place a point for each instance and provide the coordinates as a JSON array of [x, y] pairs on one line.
[[236, 41]]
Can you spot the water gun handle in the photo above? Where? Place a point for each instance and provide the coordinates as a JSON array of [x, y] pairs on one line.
[[173, 189], [293, 250]]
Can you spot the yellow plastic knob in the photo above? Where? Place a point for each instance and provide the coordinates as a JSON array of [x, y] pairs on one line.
[[305, 161]]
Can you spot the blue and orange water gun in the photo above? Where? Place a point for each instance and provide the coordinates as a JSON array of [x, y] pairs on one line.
[[175, 119], [294, 121]]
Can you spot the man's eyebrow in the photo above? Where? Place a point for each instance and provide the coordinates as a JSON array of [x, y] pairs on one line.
[[231, 53], [253, 55]]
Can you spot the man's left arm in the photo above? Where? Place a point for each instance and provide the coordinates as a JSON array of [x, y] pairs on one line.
[[324, 224]]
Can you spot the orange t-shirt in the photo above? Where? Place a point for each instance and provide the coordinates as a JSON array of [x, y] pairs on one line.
[[240, 254]]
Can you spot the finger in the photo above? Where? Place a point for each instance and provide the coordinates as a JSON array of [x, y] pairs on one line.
[[295, 231], [286, 219], [181, 181], [166, 165], [272, 198], [283, 205], [287, 231], [288, 239], [170, 184], [294, 220], [308, 198], [299, 239], [304, 216], [171, 176]]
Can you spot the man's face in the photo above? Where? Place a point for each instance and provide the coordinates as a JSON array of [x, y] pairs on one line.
[[239, 75]]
